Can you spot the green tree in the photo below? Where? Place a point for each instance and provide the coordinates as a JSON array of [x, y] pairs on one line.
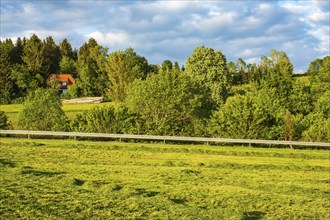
[[154, 69], [42, 111], [7, 47], [209, 69], [52, 55], [289, 127], [253, 115], [314, 67], [232, 70], [319, 120], [6, 79], [137, 64], [123, 67], [119, 76], [33, 57], [300, 99], [277, 62], [167, 65], [66, 49], [277, 73], [321, 80], [25, 82], [67, 65], [241, 76], [167, 103], [85, 49], [176, 65], [91, 62], [18, 51]]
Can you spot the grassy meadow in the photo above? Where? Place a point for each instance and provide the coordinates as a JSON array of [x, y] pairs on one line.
[[71, 110], [67, 179]]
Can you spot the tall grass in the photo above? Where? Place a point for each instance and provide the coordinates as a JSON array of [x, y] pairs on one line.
[[98, 180]]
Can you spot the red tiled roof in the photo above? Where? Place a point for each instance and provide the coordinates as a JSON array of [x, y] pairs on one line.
[[62, 78]]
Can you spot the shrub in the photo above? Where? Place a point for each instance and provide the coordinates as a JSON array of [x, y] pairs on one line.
[[3, 120], [42, 111], [106, 120]]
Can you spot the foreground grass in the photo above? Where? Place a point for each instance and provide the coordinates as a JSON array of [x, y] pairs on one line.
[[47, 179], [71, 110]]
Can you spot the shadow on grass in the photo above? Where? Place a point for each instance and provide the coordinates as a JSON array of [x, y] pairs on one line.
[[178, 201], [30, 170], [255, 215], [6, 162], [144, 192]]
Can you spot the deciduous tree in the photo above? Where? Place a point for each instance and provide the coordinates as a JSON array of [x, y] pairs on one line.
[[91, 70], [209, 68], [123, 67], [167, 103]]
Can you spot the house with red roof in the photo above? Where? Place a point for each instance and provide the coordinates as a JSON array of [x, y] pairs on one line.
[[60, 82]]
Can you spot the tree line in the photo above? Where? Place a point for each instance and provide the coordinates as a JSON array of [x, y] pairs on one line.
[[208, 96]]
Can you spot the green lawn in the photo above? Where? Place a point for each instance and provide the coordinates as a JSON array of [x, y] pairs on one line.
[[66, 179], [71, 110]]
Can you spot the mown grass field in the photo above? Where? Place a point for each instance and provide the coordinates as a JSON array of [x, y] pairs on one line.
[[71, 110], [67, 179]]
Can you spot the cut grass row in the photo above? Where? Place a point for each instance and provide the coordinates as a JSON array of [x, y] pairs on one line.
[[109, 180]]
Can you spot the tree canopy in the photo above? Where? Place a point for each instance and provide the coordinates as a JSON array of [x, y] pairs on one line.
[[206, 97], [208, 67], [167, 103]]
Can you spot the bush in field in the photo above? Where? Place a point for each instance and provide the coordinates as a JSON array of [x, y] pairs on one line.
[[105, 120], [3, 120], [42, 111], [249, 116]]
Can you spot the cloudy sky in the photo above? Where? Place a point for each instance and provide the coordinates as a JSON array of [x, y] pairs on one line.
[[160, 30]]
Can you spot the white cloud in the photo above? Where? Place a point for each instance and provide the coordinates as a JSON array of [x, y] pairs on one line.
[[112, 40], [322, 34], [318, 16], [162, 30]]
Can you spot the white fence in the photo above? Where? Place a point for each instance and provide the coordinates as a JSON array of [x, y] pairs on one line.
[[163, 138]]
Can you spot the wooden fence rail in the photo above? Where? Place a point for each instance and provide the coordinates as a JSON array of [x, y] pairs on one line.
[[163, 138]]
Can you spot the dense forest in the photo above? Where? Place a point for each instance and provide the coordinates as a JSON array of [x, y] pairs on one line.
[[207, 96]]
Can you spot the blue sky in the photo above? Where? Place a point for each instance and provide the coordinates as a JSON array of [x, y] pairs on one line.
[[160, 30]]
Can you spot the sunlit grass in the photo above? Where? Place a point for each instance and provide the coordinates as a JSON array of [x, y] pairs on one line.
[[110, 180], [303, 79], [71, 110]]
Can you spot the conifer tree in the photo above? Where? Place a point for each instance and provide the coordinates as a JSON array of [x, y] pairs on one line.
[[6, 83], [66, 49], [52, 55]]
